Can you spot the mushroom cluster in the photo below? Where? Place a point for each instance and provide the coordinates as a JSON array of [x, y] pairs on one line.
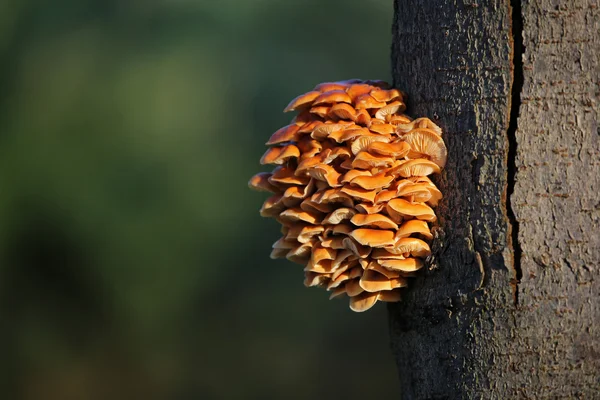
[[351, 191]]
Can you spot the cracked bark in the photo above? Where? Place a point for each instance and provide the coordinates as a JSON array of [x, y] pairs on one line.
[[509, 307]]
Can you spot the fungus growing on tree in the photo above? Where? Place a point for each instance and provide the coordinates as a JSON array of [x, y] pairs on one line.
[[351, 191]]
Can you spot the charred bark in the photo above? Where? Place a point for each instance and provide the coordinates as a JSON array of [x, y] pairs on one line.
[[508, 308]]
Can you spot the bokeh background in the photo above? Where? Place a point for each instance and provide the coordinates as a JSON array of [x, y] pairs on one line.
[[133, 261]]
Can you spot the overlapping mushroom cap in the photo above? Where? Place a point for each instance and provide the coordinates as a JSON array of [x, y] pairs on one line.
[[350, 189]]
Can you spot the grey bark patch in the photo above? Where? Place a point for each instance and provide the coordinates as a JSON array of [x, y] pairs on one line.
[[458, 334]]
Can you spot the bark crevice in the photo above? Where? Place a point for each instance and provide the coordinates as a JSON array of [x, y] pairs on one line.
[[515, 104]]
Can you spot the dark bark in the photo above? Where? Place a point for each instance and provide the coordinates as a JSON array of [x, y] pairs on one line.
[[509, 307]]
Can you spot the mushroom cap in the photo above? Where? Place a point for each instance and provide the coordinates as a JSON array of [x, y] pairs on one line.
[[363, 301], [359, 193], [426, 142], [373, 182], [405, 265], [285, 175], [415, 192], [397, 150], [386, 95], [373, 237], [411, 246], [384, 113], [298, 214], [342, 111], [364, 142], [373, 220], [349, 134], [365, 160], [272, 206], [418, 123], [402, 208], [329, 86], [411, 227], [308, 232], [326, 173], [418, 167], [373, 281], [357, 90], [288, 133], [353, 287], [323, 131], [260, 182], [304, 100], [366, 208], [279, 155], [363, 118], [339, 215], [357, 249], [332, 97]]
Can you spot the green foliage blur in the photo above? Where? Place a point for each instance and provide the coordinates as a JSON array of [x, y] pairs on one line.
[[133, 261]]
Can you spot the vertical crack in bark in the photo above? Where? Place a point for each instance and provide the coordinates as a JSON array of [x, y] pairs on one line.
[[515, 103]]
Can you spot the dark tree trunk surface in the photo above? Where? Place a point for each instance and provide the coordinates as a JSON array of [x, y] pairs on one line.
[[510, 308]]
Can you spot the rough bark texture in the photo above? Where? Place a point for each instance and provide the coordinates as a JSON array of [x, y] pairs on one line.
[[509, 308]]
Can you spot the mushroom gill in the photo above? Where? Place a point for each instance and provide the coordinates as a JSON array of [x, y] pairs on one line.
[[351, 191]]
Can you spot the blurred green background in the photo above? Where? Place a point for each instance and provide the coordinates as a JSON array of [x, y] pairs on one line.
[[133, 261]]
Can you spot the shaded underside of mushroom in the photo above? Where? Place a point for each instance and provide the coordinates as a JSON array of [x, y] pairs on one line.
[[350, 188]]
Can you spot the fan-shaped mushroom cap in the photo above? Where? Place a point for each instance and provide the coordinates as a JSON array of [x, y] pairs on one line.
[[367, 101], [415, 192], [411, 246], [321, 111], [359, 193], [397, 150], [384, 271], [373, 237], [398, 119], [335, 242], [339, 215], [382, 128], [402, 208], [385, 112], [354, 173], [418, 123], [363, 142], [332, 97], [342, 111], [386, 95], [326, 173], [363, 118], [411, 227], [338, 277], [340, 258], [405, 265], [436, 195], [308, 232], [311, 206], [348, 134], [300, 254], [366, 208], [358, 250], [418, 167], [305, 99], [315, 279], [372, 281], [329, 86], [373, 182], [384, 254], [338, 291], [363, 301], [357, 90], [374, 220], [279, 155], [333, 196], [295, 194], [272, 206], [285, 175], [260, 182], [298, 214], [426, 142], [365, 160], [323, 131], [288, 133], [353, 287]]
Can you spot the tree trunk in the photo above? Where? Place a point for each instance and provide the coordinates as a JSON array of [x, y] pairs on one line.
[[509, 307]]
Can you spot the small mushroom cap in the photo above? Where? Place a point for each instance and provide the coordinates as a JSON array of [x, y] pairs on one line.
[[384, 254], [373, 237], [362, 143], [353, 287], [309, 127], [338, 278], [358, 250], [298, 214], [383, 271], [311, 206], [366, 208], [357, 90], [308, 232], [418, 123], [365, 160], [260, 182], [285, 175], [354, 173], [329, 86], [363, 118], [300, 254], [315, 279], [323, 131], [272, 206], [415, 192], [373, 220], [333, 196], [372, 281], [367, 101], [339, 291], [418, 167], [359, 193], [349, 134], [382, 128], [402, 208], [363, 301], [288, 133], [279, 155], [332, 97], [321, 111], [326, 173], [385, 112], [339, 215], [413, 246], [303, 100], [386, 95], [427, 142], [373, 182], [397, 150], [342, 111], [411, 227], [405, 265]]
